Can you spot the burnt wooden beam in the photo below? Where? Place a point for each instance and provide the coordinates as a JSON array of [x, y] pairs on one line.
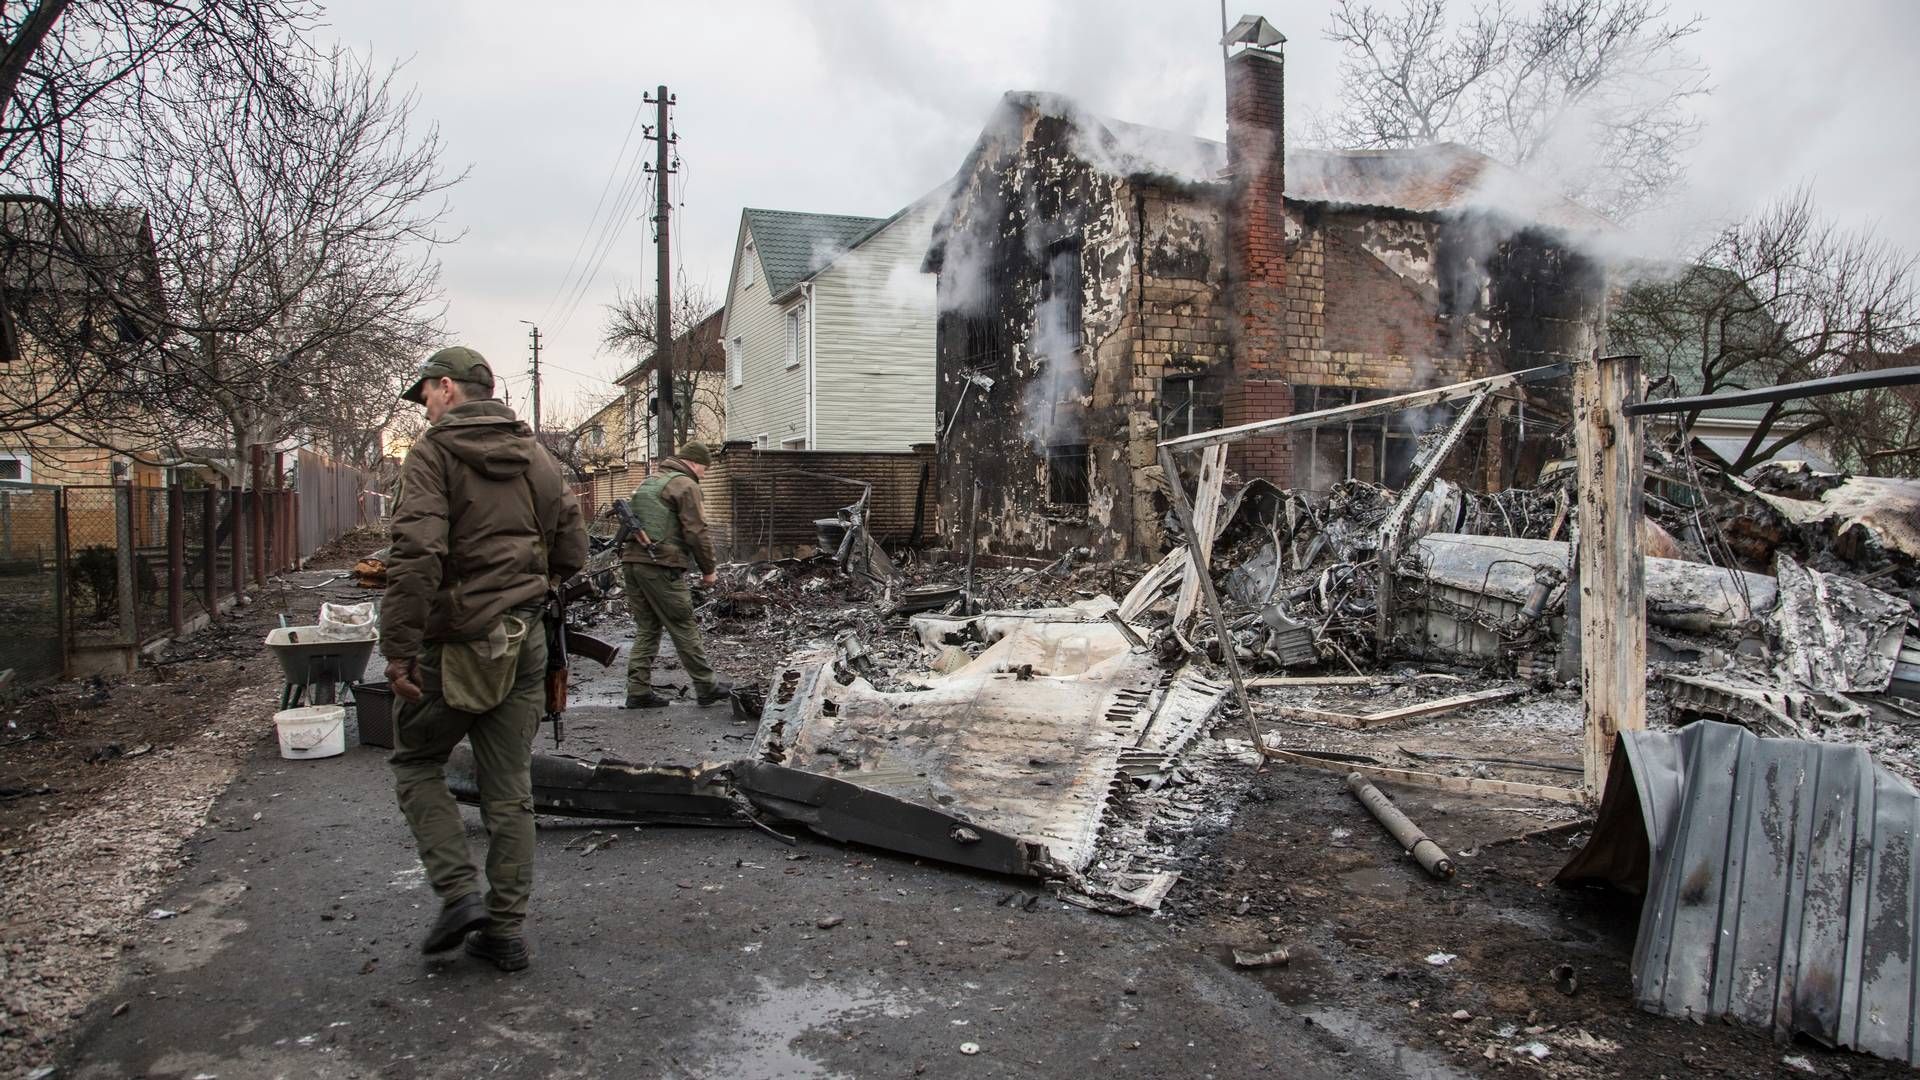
[[1184, 511], [1363, 410], [1612, 572]]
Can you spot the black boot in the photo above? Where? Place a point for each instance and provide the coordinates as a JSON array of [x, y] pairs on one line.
[[505, 953], [456, 918], [715, 694], [648, 700]]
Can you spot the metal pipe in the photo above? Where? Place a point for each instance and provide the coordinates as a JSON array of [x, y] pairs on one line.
[[1431, 856], [1767, 395]]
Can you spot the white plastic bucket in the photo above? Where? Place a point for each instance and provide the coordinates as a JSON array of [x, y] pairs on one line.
[[314, 731]]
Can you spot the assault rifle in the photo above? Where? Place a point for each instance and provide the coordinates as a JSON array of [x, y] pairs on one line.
[[564, 641], [631, 531]]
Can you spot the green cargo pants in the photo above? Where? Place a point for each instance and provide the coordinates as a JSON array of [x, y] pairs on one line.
[[426, 731], [659, 600]]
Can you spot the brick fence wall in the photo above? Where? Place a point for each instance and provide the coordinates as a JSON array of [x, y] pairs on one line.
[[763, 503]]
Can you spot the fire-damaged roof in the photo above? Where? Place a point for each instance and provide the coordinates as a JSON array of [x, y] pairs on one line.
[[1438, 179], [793, 245], [1429, 180]]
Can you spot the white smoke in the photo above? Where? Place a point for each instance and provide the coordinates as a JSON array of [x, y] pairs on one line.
[[1054, 348]]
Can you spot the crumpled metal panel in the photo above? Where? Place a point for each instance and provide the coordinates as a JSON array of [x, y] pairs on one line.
[[1026, 749], [1780, 883], [1835, 633]]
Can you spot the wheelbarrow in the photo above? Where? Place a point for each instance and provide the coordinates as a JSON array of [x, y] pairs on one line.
[[316, 667]]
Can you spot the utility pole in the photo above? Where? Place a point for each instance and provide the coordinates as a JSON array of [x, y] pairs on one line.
[[536, 376], [664, 166]]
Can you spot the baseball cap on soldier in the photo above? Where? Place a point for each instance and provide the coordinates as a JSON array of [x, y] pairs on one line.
[[458, 363]]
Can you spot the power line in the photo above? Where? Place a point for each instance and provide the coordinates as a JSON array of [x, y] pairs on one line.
[[616, 226], [604, 188]]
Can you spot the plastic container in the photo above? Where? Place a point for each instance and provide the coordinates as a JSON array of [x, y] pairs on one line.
[[373, 706], [314, 731]]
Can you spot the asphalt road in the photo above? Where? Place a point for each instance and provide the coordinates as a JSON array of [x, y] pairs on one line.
[[658, 952]]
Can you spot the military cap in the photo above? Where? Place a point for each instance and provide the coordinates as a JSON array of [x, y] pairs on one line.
[[458, 363], [695, 453]]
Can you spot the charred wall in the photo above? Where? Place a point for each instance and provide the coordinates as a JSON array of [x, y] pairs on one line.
[[1032, 286]]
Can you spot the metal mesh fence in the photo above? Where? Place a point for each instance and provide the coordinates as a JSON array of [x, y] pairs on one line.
[[148, 506], [193, 554], [99, 568], [30, 640]]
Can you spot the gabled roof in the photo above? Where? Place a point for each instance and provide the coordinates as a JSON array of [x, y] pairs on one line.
[[116, 248], [792, 245]]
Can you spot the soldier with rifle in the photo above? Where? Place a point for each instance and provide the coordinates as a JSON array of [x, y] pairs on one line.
[[666, 538], [482, 528]]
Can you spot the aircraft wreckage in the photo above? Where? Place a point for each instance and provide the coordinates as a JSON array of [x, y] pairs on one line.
[[1007, 763]]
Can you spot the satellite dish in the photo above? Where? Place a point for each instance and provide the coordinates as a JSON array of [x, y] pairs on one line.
[[1254, 30]]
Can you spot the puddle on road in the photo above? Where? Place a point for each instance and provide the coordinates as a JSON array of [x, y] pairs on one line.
[[760, 1034], [1376, 881]]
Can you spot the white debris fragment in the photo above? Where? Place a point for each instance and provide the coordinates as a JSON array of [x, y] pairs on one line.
[[161, 913], [1536, 1049], [1441, 959], [969, 1049], [1798, 1061]]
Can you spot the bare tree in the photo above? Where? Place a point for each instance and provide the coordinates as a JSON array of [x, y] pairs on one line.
[[1782, 296], [301, 252], [699, 360], [1590, 95], [74, 74]]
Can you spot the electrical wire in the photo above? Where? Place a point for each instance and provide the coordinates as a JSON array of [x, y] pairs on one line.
[[617, 225], [598, 204]]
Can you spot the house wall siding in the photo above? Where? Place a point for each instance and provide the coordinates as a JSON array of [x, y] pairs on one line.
[[874, 342], [772, 398]]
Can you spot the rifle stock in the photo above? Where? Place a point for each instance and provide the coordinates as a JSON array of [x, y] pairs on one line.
[[601, 652]]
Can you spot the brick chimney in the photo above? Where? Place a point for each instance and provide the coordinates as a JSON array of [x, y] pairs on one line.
[[1256, 257]]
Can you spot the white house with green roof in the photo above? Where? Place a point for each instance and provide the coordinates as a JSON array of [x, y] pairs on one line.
[[829, 331]]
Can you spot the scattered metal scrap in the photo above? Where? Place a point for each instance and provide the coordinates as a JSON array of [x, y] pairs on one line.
[[1779, 883]]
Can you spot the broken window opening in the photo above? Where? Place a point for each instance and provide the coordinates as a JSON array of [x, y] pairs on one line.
[[1068, 483], [1063, 286], [1186, 409]]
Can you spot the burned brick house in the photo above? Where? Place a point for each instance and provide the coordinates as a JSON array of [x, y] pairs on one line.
[[1103, 286]]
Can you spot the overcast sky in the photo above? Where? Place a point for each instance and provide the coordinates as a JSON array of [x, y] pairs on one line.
[[860, 106]]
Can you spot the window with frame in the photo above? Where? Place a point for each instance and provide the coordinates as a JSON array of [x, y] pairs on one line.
[[750, 265], [798, 442], [736, 374], [796, 335], [1068, 480], [1376, 449], [15, 468], [1187, 408]]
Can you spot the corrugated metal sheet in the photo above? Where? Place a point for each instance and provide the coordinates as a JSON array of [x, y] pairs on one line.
[[1780, 883]]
